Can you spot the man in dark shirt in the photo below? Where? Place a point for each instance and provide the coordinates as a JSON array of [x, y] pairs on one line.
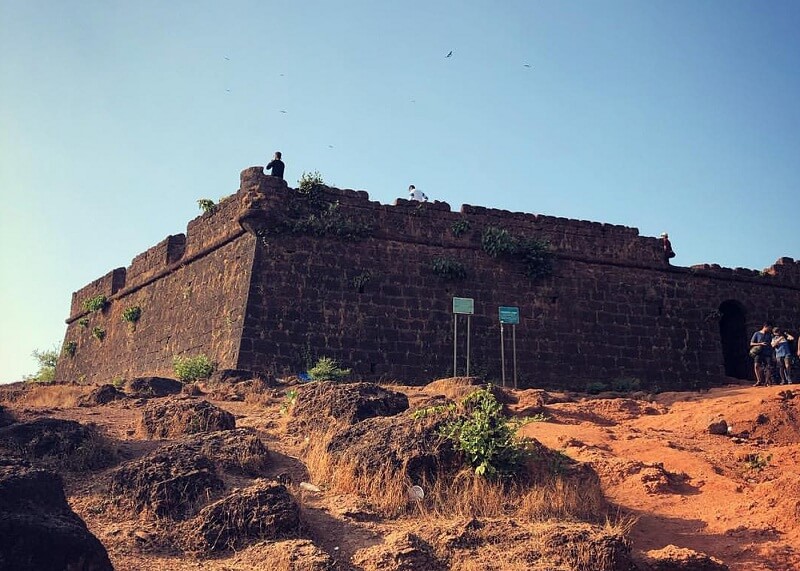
[[761, 352], [276, 165]]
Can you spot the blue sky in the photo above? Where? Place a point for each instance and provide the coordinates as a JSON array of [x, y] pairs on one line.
[[115, 117]]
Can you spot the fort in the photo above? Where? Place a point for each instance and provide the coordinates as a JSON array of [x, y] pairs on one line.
[[274, 277]]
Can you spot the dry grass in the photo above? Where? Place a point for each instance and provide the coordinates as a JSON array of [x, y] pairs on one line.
[[53, 396], [463, 494]]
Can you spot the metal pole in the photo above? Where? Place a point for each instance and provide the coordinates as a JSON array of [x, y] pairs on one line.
[[514, 345], [455, 344], [502, 354], [469, 319]]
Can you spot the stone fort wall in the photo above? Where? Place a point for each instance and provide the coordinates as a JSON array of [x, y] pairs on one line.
[[254, 286]]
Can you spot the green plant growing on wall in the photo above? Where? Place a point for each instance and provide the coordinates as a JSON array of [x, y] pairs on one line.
[[498, 242], [327, 369], [83, 322], [486, 437], [448, 269], [132, 314], [98, 333], [206, 205], [118, 382], [96, 303], [309, 182], [535, 254], [47, 366], [459, 227], [193, 368], [69, 348], [361, 281]]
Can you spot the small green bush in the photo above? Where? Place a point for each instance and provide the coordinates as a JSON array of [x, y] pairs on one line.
[[193, 368], [132, 314], [206, 205], [625, 385], [485, 436], [361, 281], [459, 227], [596, 387], [327, 369], [69, 348], [498, 242], [83, 322], [288, 401], [118, 382], [309, 181], [96, 303], [47, 366], [535, 254], [448, 269], [98, 333]]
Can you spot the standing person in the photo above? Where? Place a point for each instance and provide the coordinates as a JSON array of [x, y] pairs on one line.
[[667, 245], [418, 195], [761, 352], [783, 354], [276, 165]]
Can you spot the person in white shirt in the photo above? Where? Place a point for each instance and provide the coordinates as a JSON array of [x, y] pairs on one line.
[[418, 195]]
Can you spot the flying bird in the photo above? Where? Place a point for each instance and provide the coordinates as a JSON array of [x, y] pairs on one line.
[[283, 111], [526, 65], [330, 146], [449, 54], [227, 58]]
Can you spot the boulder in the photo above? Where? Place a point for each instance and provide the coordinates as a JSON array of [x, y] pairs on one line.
[[401, 551], [574, 544], [718, 427], [103, 394], [65, 442], [398, 443], [230, 376], [264, 510], [673, 558], [325, 402], [39, 531], [177, 416], [238, 451], [152, 387]]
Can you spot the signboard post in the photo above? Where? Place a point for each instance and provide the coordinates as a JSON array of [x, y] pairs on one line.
[[461, 306], [509, 316]]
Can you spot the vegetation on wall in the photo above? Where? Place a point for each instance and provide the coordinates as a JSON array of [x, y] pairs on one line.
[[98, 333], [96, 303], [83, 322], [69, 348], [132, 314], [533, 253], [193, 368], [361, 281], [459, 227], [448, 268], [206, 205]]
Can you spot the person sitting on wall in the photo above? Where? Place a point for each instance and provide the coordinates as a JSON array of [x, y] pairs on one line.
[[668, 253], [276, 165], [783, 354], [761, 352], [418, 195]]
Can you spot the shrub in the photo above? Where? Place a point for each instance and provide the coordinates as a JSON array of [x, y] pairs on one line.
[[98, 333], [83, 322], [535, 254], [485, 436], [625, 385], [361, 280], [309, 182], [132, 314], [327, 369], [206, 205], [69, 348], [193, 368], [448, 269], [596, 387], [459, 227], [96, 303], [498, 242], [289, 400], [47, 366]]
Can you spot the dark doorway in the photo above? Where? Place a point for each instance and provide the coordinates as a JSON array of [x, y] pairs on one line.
[[733, 332]]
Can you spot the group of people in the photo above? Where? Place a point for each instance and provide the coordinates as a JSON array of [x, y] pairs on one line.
[[773, 355]]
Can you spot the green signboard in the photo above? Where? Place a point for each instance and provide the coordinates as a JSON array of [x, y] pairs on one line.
[[509, 315], [465, 305]]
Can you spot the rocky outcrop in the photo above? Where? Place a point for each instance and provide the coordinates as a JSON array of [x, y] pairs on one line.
[[103, 394], [153, 387], [178, 416], [39, 531], [345, 403], [673, 558]]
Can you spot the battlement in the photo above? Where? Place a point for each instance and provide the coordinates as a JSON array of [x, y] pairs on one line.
[[273, 273]]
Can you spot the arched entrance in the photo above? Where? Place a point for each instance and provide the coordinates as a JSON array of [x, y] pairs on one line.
[[733, 333]]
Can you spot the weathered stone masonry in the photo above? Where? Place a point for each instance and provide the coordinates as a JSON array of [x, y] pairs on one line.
[[252, 291]]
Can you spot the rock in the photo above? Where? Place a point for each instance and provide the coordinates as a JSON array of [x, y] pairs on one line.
[[398, 443], [573, 544], [175, 479], [39, 531], [177, 416], [230, 376], [6, 417], [103, 394], [192, 390], [67, 443], [345, 403], [264, 510], [286, 555], [402, 551], [170, 482], [719, 427], [673, 558], [153, 387]]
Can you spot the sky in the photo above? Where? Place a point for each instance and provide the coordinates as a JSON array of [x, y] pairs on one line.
[[116, 117]]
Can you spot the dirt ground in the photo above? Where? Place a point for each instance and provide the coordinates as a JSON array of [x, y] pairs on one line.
[[735, 497]]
